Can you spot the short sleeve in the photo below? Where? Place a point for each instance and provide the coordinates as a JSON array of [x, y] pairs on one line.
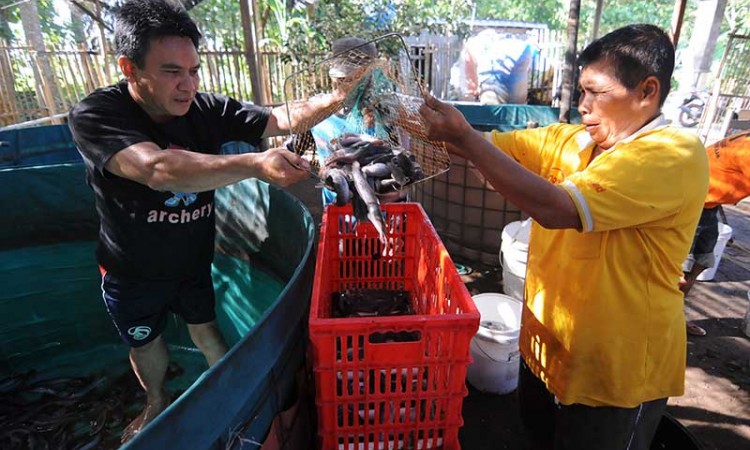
[[239, 121], [102, 125]]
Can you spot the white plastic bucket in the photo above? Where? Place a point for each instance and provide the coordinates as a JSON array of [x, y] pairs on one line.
[[514, 251], [494, 349], [725, 233]]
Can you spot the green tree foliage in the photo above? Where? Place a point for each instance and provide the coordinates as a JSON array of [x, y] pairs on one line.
[[219, 22], [332, 19], [737, 16], [618, 13], [300, 28], [286, 28], [282, 27], [553, 13], [54, 33], [7, 15]]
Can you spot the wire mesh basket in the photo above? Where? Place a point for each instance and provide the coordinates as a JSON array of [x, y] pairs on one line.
[[381, 96]]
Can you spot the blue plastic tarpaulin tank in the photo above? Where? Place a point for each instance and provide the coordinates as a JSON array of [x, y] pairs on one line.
[[53, 315]]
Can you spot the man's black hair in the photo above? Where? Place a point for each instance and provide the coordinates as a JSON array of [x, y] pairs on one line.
[[139, 21], [635, 52]]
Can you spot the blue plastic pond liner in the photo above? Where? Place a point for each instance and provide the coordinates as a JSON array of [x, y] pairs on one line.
[[35, 146], [54, 320], [46, 204], [46, 302], [509, 117]]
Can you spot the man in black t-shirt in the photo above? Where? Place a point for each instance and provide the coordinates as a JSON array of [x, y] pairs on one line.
[[151, 148]]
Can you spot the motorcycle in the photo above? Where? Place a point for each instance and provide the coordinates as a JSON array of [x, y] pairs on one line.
[[692, 108]]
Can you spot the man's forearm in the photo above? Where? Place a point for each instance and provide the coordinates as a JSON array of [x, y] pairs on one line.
[[549, 205], [185, 171]]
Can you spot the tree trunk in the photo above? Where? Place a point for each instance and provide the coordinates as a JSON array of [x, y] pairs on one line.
[[251, 57], [569, 70], [76, 24], [598, 19], [706, 31], [43, 73]]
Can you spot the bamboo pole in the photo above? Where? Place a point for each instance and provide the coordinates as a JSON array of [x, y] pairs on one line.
[[236, 74], [83, 58], [103, 47], [69, 92], [78, 75], [47, 98], [7, 87], [228, 79]]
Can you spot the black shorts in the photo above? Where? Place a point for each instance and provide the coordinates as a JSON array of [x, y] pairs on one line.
[[139, 308], [706, 236], [551, 425]]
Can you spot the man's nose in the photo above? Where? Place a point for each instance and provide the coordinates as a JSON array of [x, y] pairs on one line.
[[188, 83], [584, 106]]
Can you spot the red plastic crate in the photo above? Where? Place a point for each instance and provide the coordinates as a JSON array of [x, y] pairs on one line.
[[373, 395]]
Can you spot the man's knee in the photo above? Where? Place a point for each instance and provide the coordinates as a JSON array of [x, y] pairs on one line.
[[148, 346]]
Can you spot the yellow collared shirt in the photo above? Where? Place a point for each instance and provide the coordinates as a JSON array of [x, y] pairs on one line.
[[603, 320]]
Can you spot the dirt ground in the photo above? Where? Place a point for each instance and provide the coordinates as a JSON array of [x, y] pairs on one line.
[[716, 404]]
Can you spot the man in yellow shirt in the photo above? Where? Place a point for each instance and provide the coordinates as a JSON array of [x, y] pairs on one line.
[[615, 203]]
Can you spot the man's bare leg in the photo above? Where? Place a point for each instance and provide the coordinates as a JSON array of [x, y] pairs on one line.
[[686, 284], [689, 279], [208, 339], [150, 366]]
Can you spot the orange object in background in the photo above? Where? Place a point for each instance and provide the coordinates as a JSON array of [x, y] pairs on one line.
[[729, 170]]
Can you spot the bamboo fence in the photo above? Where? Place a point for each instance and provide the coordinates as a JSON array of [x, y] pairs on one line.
[[730, 94], [26, 93]]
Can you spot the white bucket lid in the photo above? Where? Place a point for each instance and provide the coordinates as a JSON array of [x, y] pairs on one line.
[[516, 235], [500, 317]]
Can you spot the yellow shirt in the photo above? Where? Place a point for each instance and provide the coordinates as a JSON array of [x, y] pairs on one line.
[[603, 320]]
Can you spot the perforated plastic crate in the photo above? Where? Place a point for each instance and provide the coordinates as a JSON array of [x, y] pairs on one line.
[[394, 382]]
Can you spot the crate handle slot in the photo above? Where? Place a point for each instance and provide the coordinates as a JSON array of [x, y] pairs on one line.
[[394, 337]]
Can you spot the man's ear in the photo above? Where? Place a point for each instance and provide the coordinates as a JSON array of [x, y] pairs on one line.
[[127, 67], [650, 89]]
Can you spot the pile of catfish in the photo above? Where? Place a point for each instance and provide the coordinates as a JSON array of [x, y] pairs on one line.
[[371, 302], [86, 412], [363, 169]]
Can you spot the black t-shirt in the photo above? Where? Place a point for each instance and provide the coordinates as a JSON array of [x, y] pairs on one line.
[[147, 234]]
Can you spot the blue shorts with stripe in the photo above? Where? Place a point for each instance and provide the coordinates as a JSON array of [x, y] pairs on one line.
[[140, 308]]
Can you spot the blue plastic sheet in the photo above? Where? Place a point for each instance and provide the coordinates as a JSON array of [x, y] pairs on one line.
[[53, 312]]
